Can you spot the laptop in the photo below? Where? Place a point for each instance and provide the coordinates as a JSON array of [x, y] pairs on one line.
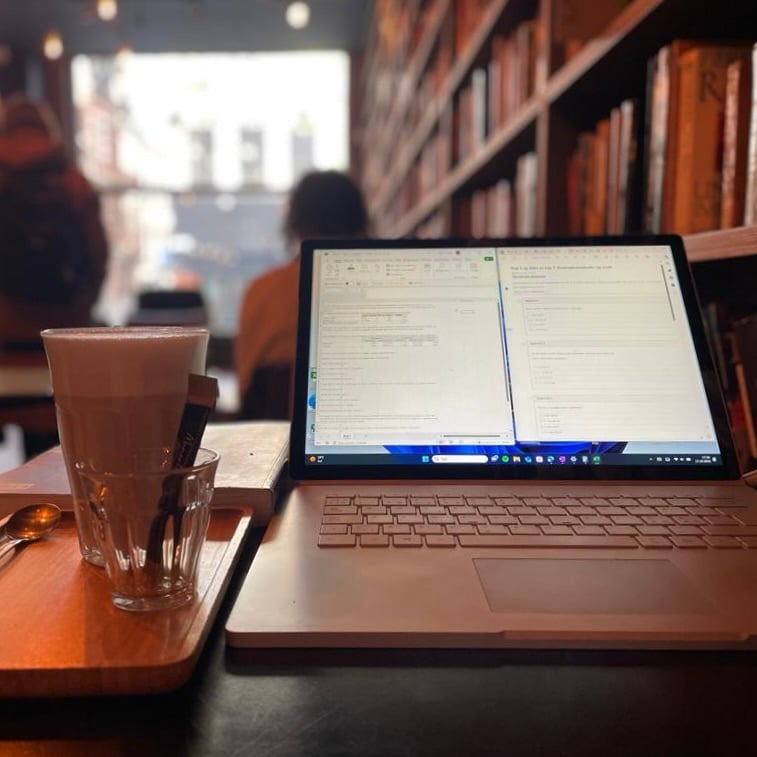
[[505, 443]]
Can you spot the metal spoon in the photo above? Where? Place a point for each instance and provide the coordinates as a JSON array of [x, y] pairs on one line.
[[29, 524]]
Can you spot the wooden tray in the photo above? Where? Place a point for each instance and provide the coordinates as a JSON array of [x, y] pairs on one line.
[[60, 635]]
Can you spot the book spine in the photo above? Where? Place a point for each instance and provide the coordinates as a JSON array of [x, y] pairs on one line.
[[656, 140], [700, 151], [735, 142], [750, 207], [628, 168]]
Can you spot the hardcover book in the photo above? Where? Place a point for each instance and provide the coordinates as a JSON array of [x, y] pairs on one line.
[[250, 471]]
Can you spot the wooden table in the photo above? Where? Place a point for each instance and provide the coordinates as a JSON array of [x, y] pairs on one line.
[[410, 703]]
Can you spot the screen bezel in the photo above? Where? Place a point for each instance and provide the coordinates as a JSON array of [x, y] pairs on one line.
[[299, 470]]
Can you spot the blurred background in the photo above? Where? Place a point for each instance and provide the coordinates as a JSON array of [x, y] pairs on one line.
[[192, 118]]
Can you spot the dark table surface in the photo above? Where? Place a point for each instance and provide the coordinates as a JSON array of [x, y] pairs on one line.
[[409, 703]]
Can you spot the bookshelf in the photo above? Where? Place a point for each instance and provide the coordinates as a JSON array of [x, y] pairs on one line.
[[486, 118], [576, 83]]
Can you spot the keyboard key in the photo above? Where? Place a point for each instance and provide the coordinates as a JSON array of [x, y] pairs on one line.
[[339, 510], [503, 520], [327, 528], [654, 542], [409, 519], [507, 501], [459, 528], [380, 519], [566, 502], [396, 528], [337, 540], [565, 520], [552, 511], [641, 510], [589, 530], [374, 540], [407, 540], [443, 519], [423, 501], [748, 541], [462, 510], [627, 520], [428, 528], [686, 530], [521, 510], [364, 528], [495, 529], [671, 511], [478, 501], [534, 520], [492, 510], [451, 501], [472, 519], [525, 530], [338, 500], [653, 530], [688, 542], [621, 530], [432, 510], [723, 542], [440, 541], [374, 510], [689, 520], [612, 510], [581, 510], [402, 510], [596, 520], [348, 519], [557, 530], [682, 502], [394, 501], [367, 501], [543, 540]]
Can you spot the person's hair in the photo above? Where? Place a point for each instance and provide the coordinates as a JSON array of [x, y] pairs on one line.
[[19, 112], [325, 204]]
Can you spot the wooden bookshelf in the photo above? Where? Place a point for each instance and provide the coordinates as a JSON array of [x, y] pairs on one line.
[[576, 84]]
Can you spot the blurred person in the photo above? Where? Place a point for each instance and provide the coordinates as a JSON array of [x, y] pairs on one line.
[[53, 248], [322, 205]]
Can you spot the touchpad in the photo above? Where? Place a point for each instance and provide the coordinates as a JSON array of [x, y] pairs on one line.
[[525, 585]]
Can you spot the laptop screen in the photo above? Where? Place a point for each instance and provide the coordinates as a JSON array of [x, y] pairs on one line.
[[504, 359]]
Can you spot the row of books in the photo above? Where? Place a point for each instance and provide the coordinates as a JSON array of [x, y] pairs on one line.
[[702, 137], [603, 178], [684, 163], [504, 209]]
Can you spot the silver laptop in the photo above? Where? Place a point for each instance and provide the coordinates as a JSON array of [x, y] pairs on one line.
[[505, 444]]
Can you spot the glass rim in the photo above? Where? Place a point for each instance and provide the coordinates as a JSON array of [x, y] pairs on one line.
[[211, 458]]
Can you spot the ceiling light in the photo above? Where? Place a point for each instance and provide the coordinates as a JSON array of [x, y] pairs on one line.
[[52, 45], [107, 10], [298, 14]]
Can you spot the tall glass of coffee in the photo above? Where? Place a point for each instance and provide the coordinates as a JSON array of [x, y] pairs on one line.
[[117, 391]]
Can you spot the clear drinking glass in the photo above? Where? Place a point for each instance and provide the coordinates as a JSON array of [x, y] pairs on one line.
[[118, 390], [151, 524]]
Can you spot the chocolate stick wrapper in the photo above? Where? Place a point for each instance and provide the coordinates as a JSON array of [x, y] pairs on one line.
[[202, 392]]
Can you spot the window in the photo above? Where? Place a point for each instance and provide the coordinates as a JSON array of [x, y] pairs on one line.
[[194, 156]]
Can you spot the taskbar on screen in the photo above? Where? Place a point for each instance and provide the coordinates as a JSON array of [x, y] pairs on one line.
[[540, 459]]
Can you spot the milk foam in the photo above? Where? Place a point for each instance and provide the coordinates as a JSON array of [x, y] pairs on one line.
[[124, 362]]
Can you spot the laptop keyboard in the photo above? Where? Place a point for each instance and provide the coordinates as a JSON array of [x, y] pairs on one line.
[[460, 521]]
